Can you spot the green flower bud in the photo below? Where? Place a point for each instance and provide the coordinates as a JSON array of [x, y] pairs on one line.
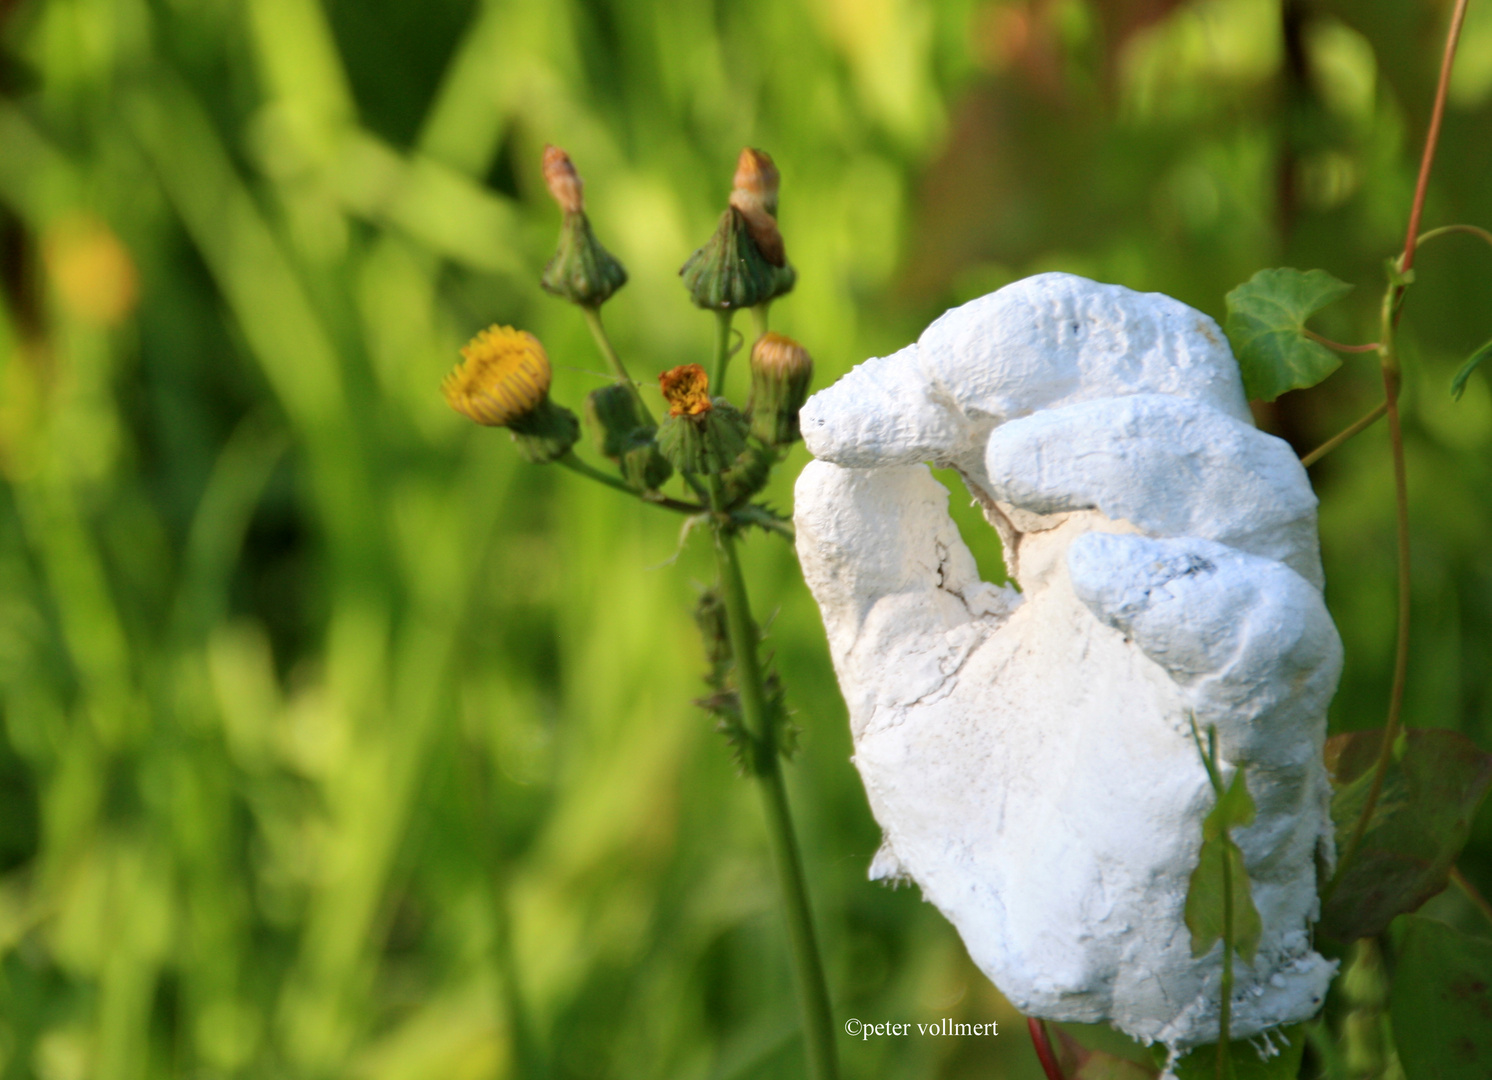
[[730, 272], [643, 465], [781, 371], [582, 271], [613, 415]]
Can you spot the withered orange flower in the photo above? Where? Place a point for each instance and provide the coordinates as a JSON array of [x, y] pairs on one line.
[[686, 389]]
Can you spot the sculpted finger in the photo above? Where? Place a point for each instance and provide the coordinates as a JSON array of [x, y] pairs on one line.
[[1256, 654], [883, 413], [1169, 466], [1045, 341], [1249, 639], [901, 598]]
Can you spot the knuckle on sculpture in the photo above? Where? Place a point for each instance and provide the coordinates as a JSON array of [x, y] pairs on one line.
[[1063, 872]]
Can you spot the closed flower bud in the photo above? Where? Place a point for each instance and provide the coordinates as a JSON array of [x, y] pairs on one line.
[[643, 465], [503, 381], [781, 371], [730, 271], [582, 271], [700, 434], [613, 414], [626, 436]]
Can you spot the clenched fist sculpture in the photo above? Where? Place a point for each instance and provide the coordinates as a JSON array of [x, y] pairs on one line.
[[1029, 755]]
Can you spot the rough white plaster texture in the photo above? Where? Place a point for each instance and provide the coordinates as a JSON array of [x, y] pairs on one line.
[[1029, 754]]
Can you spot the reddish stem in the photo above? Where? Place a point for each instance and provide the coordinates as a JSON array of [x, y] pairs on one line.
[[1422, 186], [1044, 1051]]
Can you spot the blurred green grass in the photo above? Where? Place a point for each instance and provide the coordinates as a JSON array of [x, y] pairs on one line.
[[341, 743]]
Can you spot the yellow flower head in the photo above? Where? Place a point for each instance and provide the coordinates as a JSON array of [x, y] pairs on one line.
[[503, 377], [686, 389]]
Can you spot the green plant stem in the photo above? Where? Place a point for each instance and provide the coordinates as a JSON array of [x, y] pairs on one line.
[[1445, 230], [722, 351], [759, 319], [1472, 893], [613, 361], [766, 768], [1225, 988], [574, 464], [1389, 359], [1337, 440]]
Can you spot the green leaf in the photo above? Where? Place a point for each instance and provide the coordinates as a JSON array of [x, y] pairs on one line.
[[1441, 1001], [1233, 811], [1201, 1063], [1430, 795], [1458, 384], [1266, 322], [1204, 901]]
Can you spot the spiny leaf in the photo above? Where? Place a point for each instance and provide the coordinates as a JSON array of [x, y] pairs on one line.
[[1458, 384], [1266, 323], [1432, 790], [1441, 1001]]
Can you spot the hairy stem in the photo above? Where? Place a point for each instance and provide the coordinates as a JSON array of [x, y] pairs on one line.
[[766, 769], [1338, 439], [613, 361]]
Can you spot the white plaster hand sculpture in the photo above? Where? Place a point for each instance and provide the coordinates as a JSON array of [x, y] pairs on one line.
[[1029, 755]]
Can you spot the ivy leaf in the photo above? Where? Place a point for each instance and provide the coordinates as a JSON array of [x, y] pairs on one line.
[[1431, 792], [1458, 384], [1205, 892], [1289, 1042], [1441, 1001], [1266, 323]]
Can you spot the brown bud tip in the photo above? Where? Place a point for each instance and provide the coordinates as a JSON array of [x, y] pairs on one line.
[[755, 181], [779, 356], [686, 389], [563, 181]]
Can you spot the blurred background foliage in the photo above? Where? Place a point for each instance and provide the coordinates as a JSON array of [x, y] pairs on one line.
[[338, 742]]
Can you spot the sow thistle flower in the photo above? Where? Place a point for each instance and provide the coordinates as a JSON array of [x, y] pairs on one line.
[[503, 381], [700, 434]]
